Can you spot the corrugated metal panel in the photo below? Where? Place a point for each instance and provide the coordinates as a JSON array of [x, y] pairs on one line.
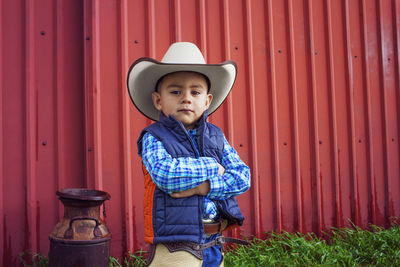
[[314, 111]]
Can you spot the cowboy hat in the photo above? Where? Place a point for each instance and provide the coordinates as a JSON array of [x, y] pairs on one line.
[[145, 72]]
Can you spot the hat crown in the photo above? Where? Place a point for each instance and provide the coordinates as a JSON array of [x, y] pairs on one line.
[[183, 53]]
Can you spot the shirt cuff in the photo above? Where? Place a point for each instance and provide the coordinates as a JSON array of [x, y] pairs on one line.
[[216, 187]]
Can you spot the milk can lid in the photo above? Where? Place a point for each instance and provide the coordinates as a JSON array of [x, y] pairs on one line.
[[83, 194]]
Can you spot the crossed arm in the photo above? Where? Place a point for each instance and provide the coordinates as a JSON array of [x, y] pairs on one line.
[[183, 177], [202, 189]]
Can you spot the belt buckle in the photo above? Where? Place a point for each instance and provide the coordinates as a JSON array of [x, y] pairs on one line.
[[208, 220], [220, 240]]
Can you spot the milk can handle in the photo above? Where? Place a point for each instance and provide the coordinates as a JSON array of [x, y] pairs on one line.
[[70, 231]]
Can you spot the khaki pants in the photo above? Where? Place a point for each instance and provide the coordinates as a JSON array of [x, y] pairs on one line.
[[164, 258]]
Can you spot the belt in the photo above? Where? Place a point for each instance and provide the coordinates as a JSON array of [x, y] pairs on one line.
[[211, 228], [220, 240]]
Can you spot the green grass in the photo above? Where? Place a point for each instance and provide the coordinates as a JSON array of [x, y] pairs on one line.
[[346, 247], [343, 247], [136, 259], [30, 259]]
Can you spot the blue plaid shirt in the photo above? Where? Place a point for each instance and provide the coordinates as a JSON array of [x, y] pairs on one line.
[[179, 174]]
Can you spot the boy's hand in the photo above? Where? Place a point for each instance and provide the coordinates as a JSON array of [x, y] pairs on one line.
[[221, 169], [201, 189]]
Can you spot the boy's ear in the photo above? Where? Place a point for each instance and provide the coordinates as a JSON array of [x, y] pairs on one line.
[[208, 100], [156, 100]]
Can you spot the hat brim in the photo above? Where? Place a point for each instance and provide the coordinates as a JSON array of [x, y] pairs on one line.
[[145, 72]]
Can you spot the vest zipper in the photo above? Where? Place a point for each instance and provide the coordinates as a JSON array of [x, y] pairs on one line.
[[192, 144]]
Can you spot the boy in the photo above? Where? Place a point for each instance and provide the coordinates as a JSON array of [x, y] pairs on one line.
[[191, 172]]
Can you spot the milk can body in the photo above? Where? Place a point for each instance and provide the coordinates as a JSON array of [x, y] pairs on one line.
[[81, 238]]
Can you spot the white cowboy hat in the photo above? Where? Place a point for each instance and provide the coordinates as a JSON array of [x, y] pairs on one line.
[[145, 72]]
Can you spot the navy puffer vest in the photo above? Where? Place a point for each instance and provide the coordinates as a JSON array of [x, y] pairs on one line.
[[180, 219]]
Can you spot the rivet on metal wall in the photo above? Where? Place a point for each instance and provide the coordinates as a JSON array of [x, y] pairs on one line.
[[279, 51], [44, 143], [284, 143], [87, 38], [241, 145], [136, 41], [355, 56], [90, 149], [360, 141], [236, 47], [320, 142], [42, 33], [316, 53]]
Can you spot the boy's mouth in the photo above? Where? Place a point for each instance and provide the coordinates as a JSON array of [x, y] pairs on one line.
[[185, 110]]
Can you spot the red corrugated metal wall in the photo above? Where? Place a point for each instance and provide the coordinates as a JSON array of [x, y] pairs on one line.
[[314, 111]]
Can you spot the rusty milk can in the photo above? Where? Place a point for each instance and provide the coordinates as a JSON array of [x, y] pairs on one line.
[[81, 238]]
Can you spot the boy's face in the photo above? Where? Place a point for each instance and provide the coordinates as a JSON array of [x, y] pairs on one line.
[[184, 95]]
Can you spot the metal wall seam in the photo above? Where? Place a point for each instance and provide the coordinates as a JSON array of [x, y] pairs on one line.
[[315, 136], [229, 100], [227, 55], [88, 84], [202, 28], [350, 80], [97, 182], [296, 147], [394, 161], [252, 118], [59, 136], [59, 133], [126, 144], [2, 178], [31, 118], [151, 38], [175, 12], [385, 113], [389, 196], [396, 38], [226, 45], [93, 91], [369, 117], [151, 34], [332, 86], [278, 200]]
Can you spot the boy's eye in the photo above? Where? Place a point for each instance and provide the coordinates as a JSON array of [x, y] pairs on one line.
[[195, 92], [175, 92]]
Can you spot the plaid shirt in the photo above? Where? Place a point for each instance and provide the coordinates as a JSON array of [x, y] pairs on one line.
[[179, 174]]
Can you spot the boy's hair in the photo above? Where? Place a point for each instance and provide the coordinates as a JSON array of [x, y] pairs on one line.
[[204, 76]]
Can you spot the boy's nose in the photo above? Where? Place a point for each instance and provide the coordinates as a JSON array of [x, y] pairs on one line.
[[186, 97]]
